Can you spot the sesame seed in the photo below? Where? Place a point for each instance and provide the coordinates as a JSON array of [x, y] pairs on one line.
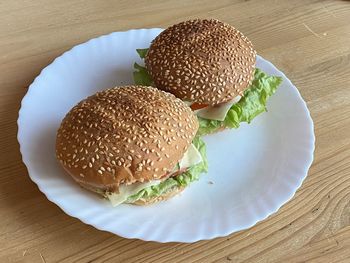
[[237, 50]]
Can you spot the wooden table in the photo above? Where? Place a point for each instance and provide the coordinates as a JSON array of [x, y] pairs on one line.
[[308, 40]]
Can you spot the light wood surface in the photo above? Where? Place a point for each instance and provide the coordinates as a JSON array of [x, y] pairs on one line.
[[308, 40]]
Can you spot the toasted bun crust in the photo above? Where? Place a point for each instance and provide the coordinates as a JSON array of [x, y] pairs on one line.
[[205, 61], [124, 135], [160, 198]]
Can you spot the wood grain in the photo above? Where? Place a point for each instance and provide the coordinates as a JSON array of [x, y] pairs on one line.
[[308, 40]]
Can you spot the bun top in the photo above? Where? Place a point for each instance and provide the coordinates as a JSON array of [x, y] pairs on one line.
[[204, 61], [124, 135]]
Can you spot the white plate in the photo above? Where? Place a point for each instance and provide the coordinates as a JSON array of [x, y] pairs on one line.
[[254, 169]]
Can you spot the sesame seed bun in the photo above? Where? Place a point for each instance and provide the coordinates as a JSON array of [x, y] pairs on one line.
[[204, 61], [124, 135]]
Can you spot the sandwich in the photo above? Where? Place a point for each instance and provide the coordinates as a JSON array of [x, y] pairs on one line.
[[210, 65], [131, 144]]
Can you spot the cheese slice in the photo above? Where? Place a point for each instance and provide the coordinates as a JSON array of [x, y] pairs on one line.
[[217, 112], [188, 103], [191, 157], [128, 190]]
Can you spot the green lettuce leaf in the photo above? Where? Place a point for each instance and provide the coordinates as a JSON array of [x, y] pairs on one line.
[[154, 191], [142, 52], [252, 104], [141, 76], [184, 179], [208, 126]]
